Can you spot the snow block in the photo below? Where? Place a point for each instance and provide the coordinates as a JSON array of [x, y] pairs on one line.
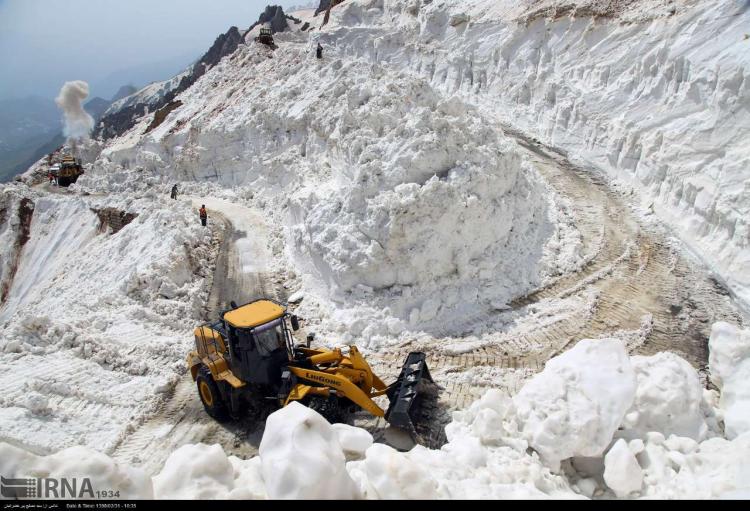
[[574, 406], [78, 462], [668, 398], [354, 441], [729, 361], [728, 346], [302, 458], [392, 475], [195, 471], [621, 470]]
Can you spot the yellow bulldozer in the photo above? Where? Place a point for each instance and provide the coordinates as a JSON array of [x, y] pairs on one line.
[[67, 170], [249, 353]]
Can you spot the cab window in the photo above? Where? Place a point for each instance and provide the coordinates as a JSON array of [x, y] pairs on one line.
[[269, 337]]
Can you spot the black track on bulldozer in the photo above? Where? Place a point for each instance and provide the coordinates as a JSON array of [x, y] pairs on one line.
[[404, 394]]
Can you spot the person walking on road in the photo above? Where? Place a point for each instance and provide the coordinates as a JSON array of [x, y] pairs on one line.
[[174, 192], [202, 213]]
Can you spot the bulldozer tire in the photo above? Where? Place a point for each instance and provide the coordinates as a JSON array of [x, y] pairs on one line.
[[328, 408], [210, 396]]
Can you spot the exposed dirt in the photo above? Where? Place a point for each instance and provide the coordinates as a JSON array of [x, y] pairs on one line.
[[25, 214], [608, 9], [113, 219], [162, 114]]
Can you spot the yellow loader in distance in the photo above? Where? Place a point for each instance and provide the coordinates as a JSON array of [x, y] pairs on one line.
[[250, 352]]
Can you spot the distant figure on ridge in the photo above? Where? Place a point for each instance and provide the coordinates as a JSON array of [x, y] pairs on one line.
[[319, 51], [202, 213], [174, 192]]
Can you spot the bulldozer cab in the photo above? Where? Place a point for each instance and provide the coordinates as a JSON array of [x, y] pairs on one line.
[[67, 170], [265, 36], [259, 354], [255, 340]]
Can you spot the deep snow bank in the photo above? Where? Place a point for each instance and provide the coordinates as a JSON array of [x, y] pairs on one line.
[[575, 405], [319, 470], [730, 371], [104, 474], [492, 451], [82, 363], [660, 101], [16, 212], [403, 203]]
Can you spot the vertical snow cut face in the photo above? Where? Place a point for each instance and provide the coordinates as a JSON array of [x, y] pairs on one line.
[[16, 213], [656, 95]]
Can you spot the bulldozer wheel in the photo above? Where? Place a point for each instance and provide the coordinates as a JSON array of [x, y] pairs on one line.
[[211, 398], [328, 408]]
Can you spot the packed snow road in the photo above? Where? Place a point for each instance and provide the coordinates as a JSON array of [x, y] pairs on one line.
[[241, 273], [645, 280], [240, 276], [637, 284]]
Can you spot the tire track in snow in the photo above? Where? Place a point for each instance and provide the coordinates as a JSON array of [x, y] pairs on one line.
[[647, 291]]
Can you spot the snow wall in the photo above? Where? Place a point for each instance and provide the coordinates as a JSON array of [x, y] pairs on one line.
[[658, 99], [394, 196]]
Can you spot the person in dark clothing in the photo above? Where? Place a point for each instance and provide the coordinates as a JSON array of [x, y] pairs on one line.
[[174, 192], [202, 213], [319, 51]]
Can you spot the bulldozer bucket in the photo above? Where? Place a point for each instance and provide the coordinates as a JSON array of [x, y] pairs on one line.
[[404, 393]]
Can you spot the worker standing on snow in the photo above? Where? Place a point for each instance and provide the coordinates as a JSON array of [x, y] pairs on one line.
[[174, 192], [319, 51], [202, 213]]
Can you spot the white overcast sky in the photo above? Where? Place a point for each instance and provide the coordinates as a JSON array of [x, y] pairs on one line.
[[44, 43]]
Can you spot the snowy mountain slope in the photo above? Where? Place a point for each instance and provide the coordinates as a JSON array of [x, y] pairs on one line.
[[656, 100], [56, 238], [529, 74], [150, 95], [391, 191], [94, 323], [395, 198], [258, 114], [123, 114]]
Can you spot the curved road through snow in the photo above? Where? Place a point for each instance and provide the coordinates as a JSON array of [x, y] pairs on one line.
[[637, 284]]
